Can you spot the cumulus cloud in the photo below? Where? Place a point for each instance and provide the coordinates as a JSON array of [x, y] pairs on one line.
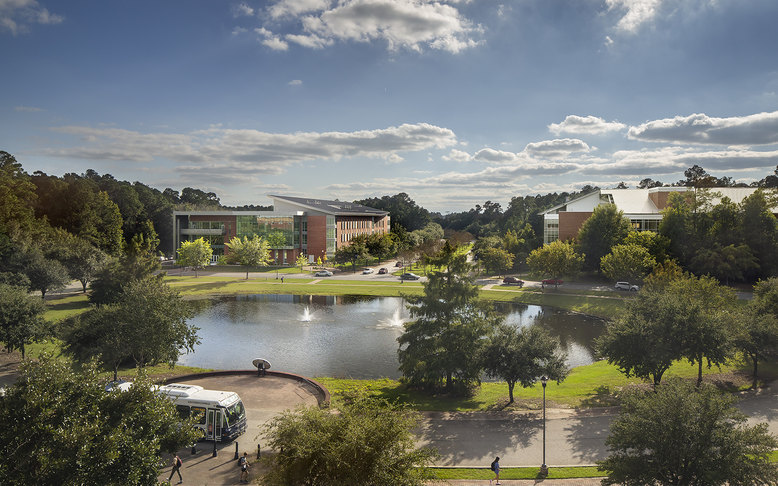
[[295, 82], [243, 10], [458, 156], [269, 39], [698, 128], [585, 125], [636, 13], [556, 148], [400, 24], [218, 149], [16, 16]]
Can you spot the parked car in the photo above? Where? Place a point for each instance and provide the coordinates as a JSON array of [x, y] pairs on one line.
[[552, 281], [323, 273], [366, 271], [513, 281], [398, 264], [383, 271], [626, 286], [409, 276]]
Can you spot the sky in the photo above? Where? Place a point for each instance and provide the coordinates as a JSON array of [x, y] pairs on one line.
[[454, 102]]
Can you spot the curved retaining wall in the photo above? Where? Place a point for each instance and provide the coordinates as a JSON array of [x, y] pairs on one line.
[[323, 395]]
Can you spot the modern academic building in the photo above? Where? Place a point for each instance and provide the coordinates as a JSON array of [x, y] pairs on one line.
[[296, 226], [643, 207]]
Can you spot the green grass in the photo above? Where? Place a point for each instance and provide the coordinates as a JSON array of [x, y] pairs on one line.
[[58, 309], [593, 305], [596, 385], [475, 473]]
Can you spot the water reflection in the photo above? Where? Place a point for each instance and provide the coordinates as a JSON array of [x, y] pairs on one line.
[[348, 336]]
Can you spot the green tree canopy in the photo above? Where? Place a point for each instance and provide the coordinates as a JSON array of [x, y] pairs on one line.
[[758, 326], [58, 425], [605, 228], [523, 355], [555, 260], [248, 252], [682, 435], [496, 260], [17, 197], [195, 254], [627, 262], [443, 342], [21, 317], [367, 442], [352, 253]]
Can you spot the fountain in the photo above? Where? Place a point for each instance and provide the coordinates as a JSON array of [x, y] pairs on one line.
[[394, 322], [307, 315]]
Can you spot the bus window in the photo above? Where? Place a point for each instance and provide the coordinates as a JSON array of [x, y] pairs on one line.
[[199, 412], [183, 411], [235, 413]]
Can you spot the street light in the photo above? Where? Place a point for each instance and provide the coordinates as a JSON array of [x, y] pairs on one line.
[[543, 467]]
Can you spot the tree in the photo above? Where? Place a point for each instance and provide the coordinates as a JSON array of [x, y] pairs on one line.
[[627, 262], [682, 318], [84, 261], [21, 317], [758, 330], [523, 355], [555, 259], [724, 263], [195, 254], [45, 274], [98, 334], [301, 260], [352, 253], [381, 245], [134, 264], [368, 442], [680, 435], [443, 342], [17, 197], [248, 252], [496, 260], [60, 426], [605, 228], [759, 230], [402, 209]]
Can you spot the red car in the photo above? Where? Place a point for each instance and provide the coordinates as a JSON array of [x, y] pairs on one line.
[[552, 281], [512, 281]]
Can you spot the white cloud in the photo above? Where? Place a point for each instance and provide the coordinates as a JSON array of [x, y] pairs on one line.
[[636, 13], [27, 109], [293, 8], [217, 149], [458, 156], [16, 16], [239, 30], [757, 129], [585, 125], [295, 82], [401, 24], [276, 44], [556, 148], [243, 10]]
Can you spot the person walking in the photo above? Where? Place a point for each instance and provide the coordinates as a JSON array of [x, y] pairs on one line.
[[243, 462], [177, 463], [496, 468]]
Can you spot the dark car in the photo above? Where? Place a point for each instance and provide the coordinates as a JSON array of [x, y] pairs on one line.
[[409, 276], [552, 281], [512, 281], [382, 271], [398, 264]]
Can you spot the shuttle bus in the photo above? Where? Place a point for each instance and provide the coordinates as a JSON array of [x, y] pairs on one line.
[[222, 416]]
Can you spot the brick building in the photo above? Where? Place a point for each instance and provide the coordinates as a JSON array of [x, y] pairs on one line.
[[296, 226]]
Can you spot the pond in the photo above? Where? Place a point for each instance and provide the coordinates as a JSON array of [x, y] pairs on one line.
[[342, 336]]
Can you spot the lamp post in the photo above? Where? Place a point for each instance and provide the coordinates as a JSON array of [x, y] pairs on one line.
[[544, 467]]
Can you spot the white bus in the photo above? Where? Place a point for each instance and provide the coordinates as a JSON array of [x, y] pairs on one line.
[[222, 415]]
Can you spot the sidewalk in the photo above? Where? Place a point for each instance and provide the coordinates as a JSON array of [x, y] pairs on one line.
[[522, 482]]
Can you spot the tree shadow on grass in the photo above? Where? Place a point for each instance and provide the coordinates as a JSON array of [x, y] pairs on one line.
[[603, 396]]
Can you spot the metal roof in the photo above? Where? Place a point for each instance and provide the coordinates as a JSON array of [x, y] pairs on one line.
[[336, 208]]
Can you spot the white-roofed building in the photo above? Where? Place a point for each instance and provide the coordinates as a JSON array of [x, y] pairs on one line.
[[643, 207]]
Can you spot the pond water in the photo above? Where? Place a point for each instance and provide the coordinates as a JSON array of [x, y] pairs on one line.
[[342, 336]]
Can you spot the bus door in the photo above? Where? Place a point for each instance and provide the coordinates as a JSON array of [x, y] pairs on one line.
[[214, 424]]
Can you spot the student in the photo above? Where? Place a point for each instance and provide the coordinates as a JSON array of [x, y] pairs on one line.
[[496, 468], [177, 463], [243, 462]]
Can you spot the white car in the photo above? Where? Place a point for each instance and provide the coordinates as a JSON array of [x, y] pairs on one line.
[[626, 286], [323, 273], [367, 271]]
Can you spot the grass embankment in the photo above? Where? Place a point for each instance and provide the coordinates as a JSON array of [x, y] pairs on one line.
[[596, 385]]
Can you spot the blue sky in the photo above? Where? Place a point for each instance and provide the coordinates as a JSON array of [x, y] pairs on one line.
[[453, 102]]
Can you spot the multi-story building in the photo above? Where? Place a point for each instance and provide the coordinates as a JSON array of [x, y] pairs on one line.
[[643, 207], [296, 226]]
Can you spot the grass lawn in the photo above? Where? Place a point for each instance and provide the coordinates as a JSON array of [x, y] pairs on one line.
[[596, 385], [474, 473]]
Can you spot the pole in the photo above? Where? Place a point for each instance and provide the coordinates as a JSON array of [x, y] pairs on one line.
[[544, 467]]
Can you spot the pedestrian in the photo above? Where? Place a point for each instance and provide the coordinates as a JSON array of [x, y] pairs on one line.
[[177, 463], [282, 279], [244, 468], [496, 468]]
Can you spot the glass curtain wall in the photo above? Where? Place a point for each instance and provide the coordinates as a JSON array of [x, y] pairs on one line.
[[278, 230]]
